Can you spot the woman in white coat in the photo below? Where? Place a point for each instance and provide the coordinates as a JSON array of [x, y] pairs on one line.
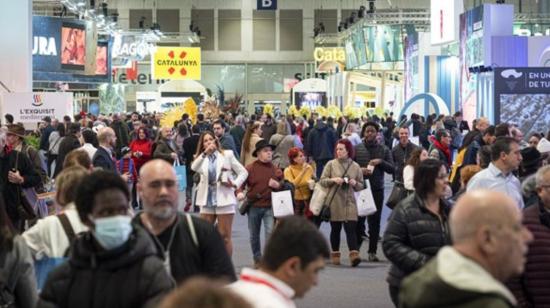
[[220, 174]]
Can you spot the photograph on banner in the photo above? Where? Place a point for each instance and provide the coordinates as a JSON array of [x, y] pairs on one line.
[[33, 107], [61, 48], [73, 46], [176, 63], [521, 98]]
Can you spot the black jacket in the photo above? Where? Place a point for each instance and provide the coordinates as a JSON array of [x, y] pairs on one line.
[[67, 144], [102, 159], [45, 138], [190, 148], [400, 156], [365, 152], [208, 258], [413, 236], [129, 276], [321, 141], [11, 191]]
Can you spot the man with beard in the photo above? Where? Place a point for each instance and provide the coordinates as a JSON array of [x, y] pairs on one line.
[[189, 246], [401, 153], [104, 156]]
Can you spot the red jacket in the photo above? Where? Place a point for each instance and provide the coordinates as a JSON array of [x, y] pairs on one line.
[[143, 146], [258, 182]]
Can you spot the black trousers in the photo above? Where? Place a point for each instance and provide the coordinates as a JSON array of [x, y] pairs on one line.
[[394, 295], [373, 221], [350, 228]]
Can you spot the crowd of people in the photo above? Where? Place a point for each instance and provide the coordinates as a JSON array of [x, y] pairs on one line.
[[470, 209]]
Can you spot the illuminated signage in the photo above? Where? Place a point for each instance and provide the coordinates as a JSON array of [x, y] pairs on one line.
[[329, 54]]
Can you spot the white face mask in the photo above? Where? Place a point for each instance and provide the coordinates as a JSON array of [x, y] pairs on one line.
[[113, 232]]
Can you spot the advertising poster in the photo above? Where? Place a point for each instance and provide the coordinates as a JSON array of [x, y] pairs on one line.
[[410, 44], [59, 54], [351, 59], [32, 107], [176, 63], [444, 20], [471, 54], [522, 97], [358, 40]]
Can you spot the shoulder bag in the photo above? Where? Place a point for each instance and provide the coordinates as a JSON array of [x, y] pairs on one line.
[[397, 194], [26, 198], [325, 210]]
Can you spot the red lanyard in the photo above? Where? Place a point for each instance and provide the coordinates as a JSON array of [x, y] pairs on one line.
[[252, 279]]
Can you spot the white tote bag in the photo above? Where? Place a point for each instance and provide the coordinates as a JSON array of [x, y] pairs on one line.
[[365, 201], [318, 199], [282, 203]]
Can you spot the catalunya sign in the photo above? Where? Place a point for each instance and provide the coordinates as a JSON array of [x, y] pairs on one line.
[[176, 63]]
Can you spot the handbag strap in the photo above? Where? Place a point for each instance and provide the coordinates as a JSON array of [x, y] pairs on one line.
[[338, 187], [67, 227]]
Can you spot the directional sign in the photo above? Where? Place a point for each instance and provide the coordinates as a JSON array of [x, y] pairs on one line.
[[176, 63]]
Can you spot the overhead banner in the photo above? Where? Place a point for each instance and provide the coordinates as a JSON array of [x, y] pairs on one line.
[[68, 50], [444, 20], [33, 107], [522, 98], [176, 63]]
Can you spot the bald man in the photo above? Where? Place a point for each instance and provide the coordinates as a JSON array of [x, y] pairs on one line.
[[104, 157], [490, 244], [189, 245]]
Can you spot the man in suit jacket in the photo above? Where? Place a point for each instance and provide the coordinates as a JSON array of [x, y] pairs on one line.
[[104, 156], [68, 144], [462, 125]]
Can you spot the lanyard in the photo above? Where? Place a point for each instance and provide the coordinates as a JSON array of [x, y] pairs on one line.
[[264, 282], [166, 250]]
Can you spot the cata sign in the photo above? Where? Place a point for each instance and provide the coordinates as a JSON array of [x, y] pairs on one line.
[[33, 107]]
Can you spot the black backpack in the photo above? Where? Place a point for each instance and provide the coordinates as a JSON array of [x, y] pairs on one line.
[[7, 298]]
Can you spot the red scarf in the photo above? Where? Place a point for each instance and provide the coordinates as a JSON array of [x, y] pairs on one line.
[[445, 150]]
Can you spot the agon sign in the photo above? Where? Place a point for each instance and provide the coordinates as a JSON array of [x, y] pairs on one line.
[[176, 63]]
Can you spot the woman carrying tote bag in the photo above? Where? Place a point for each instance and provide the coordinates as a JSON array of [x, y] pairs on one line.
[[345, 176]]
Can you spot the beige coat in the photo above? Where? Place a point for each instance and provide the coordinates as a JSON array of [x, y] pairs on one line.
[[247, 158], [283, 143], [343, 207]]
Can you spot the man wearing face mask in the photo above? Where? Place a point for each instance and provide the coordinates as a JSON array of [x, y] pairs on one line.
[[189, 246], [114, 264]]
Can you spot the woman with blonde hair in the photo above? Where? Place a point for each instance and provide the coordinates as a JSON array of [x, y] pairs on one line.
[[220, 174], [251, 137], [50, 238]]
